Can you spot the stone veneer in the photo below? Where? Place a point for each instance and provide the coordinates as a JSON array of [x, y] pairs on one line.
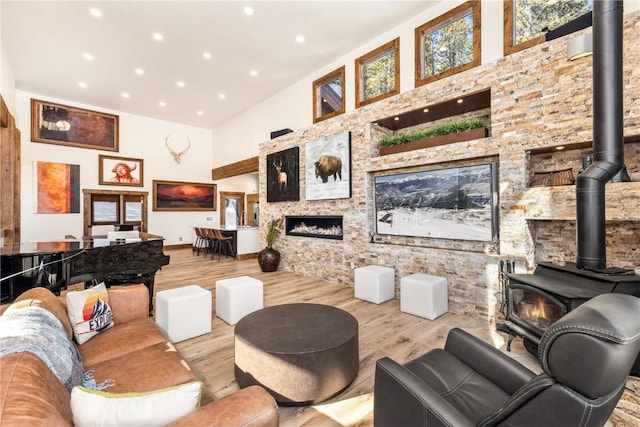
[[538, 99]]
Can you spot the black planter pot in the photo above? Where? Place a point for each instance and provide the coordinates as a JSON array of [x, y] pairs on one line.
[[269, 259]]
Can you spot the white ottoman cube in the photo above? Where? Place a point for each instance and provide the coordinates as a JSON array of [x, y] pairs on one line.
[[184, 313], [424, 295], [237, 297], [374, 283]]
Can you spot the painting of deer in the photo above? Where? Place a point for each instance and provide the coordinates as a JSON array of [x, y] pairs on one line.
[[282, 176], [283, 179]]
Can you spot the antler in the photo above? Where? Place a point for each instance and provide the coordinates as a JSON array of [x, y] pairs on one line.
[[176, 156]]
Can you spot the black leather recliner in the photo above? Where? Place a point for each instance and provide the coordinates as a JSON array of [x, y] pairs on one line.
[[586, 357]]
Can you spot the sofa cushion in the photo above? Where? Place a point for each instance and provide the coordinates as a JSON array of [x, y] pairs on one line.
[[42, 297], [122, 339], [154, 408], [30, 394], [146, 369], [89, 312]]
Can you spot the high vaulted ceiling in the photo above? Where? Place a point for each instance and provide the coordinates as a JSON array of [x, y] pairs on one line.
[[46, 43]]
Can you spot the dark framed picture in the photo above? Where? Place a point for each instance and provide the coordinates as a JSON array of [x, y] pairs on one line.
[[453, 203], [183, 196], [53, 123], [328, 167], [283, 175], [120, 171]]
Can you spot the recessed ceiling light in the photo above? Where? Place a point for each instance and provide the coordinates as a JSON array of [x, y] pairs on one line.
[[207, 55], [139, 71], [300, 38], [162, 104], [253, 73], [426, 110], [200, 113], [83, 85], [248, 10], [95, 12], [180, 84], [222, 96], [460, 101], [125, 94], [560, 147], [396, 118], [87, 56], [157, 36]]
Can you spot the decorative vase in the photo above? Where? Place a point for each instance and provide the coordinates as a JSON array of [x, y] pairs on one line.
[[269, 259]]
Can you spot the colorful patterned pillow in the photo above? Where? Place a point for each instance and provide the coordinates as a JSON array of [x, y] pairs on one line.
[[89, 312]]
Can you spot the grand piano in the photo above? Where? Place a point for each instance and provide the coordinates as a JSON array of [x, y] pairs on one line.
[[56, 265]]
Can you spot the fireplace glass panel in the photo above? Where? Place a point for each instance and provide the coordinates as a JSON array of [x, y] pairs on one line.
[[322, 226], [533, 308]]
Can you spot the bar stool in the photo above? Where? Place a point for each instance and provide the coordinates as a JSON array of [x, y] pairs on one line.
[[200, 241], [211, 240], [221, 240]]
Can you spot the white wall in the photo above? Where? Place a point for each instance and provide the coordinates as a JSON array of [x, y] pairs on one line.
[[7, 81], [140, 137]]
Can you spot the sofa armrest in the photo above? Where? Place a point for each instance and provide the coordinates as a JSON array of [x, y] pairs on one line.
[[248, 407], [129, 302], [400, 398], [488, 361]]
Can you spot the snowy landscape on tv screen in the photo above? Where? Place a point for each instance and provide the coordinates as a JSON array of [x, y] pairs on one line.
[[453, 203]]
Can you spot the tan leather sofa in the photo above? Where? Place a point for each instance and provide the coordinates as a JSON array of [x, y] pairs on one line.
[[134, 353]]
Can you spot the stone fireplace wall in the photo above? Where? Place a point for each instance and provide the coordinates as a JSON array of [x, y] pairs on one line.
[[538, 100]]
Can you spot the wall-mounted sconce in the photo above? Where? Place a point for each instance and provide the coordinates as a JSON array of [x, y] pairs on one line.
[[580, 46]]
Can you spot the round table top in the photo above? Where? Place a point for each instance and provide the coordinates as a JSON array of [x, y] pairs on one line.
[[297, 328]]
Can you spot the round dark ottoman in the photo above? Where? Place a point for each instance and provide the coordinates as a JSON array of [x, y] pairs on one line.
[[301, 353]]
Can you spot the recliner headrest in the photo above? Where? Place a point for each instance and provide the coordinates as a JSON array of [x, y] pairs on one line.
[[593, 347]]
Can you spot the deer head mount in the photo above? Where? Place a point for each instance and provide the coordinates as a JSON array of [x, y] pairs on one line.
[[176, 156]]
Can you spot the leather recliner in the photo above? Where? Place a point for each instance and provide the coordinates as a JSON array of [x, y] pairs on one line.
[[586, 357]]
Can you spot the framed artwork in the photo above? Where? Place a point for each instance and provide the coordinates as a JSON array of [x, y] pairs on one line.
[[283, 176], [452, 203], [57, 188], [328, 95], [183, 196], [120, 171], [76, 127], [328, 167]]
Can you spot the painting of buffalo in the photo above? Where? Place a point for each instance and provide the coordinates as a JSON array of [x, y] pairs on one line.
[[328, 167]]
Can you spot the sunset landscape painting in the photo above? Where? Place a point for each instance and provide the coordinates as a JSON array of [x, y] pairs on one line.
[[183, 196]]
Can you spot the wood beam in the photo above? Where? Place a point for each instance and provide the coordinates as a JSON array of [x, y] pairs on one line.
[[235, 169]]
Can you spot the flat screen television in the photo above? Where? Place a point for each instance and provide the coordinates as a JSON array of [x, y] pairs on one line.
[[459, 203]]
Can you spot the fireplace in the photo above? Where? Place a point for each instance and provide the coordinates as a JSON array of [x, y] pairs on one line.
[[320, 226], [533, 308]]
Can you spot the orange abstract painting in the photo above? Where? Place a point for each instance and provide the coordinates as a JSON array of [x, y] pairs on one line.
[[58, 188]]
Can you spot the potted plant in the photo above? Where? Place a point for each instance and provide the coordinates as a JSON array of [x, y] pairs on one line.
[[269, 258], [447, 133]]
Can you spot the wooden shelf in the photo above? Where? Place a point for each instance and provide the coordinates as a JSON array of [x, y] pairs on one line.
[[577, 146], [470, 102]]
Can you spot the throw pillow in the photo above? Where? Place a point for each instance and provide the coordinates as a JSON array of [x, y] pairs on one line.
[[155, 408], [89, 312]]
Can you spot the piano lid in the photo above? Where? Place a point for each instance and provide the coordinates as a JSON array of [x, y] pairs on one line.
[[45, 247]]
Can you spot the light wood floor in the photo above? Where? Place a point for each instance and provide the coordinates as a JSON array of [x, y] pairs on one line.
[[384, 331]]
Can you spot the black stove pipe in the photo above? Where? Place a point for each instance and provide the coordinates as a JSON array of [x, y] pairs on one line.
[[608, 135]]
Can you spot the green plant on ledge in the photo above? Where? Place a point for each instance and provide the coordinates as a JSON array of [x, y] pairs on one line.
[[274, 227], [444, 129]]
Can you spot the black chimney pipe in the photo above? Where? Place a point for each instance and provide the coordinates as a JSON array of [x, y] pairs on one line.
[[608, 135]]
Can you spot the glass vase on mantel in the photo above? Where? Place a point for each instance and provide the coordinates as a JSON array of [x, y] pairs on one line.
[[268, 259]]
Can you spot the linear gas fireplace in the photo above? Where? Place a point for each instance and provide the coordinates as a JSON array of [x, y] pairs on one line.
[[320, 226]]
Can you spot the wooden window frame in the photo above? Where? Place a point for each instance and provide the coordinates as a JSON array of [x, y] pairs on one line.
[[317, 95], [475, 6], [509, 41], [122, 197], [224, 195], [364, 59]]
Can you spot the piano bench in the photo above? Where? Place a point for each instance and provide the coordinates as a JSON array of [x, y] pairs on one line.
[[184, 313]]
